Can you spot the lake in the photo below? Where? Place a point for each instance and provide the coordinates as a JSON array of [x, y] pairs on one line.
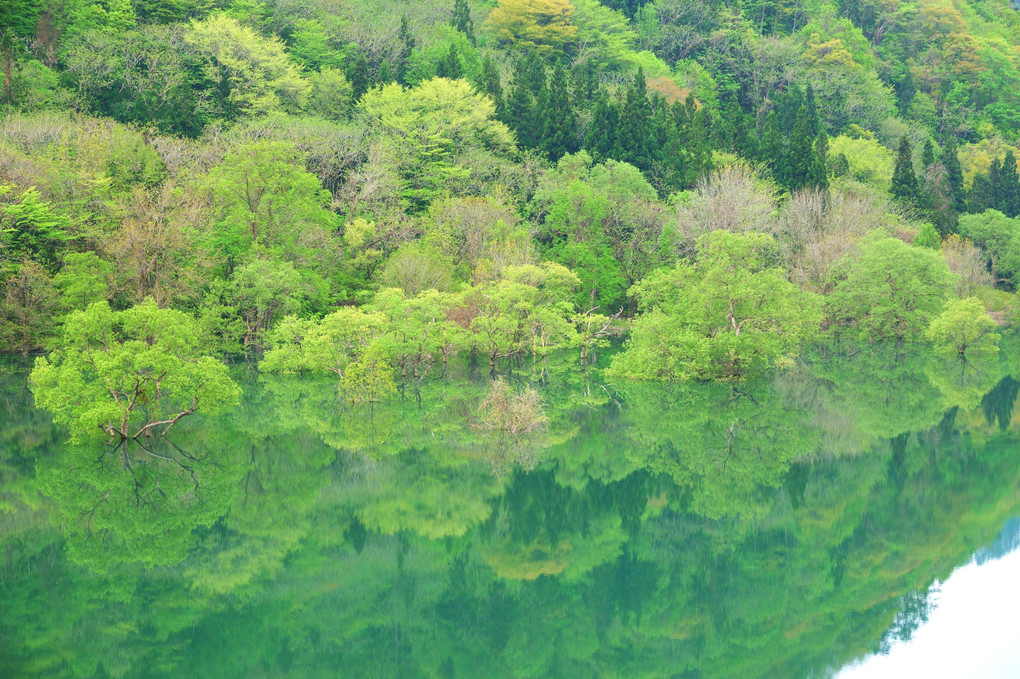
[[852, 517]]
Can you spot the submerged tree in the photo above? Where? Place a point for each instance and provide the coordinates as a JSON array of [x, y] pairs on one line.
[[729, 313], [129, 373]]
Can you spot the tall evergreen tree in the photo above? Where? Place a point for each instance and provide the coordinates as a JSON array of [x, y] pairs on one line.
[[788, 107], [601, 137], [357, 74], [954, 174], [526, 106], [928, 154], [1009, 187], [560, 120], [407, 45], [904, 181], [634, 130], [584, 84], [796, 169], [449, 66], [461, 19], [489, 83]]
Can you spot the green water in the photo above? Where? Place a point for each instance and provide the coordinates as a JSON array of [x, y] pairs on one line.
[[781, 528]]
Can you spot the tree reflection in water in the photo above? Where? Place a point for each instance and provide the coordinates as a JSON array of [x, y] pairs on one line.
[[771, 528]]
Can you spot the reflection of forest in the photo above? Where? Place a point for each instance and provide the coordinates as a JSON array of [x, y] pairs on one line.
[[770, 529]]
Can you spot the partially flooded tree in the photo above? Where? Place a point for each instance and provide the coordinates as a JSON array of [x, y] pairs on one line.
[[129, 374]]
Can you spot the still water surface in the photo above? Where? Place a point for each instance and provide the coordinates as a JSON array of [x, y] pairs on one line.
[[853, 517]]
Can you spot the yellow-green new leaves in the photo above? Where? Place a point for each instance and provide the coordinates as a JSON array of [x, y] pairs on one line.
[[432, 125], [529, 309], [255, 72], [729, 313], [893, 291], [542, 24], [348, 342], [129, 373], [964, 324]]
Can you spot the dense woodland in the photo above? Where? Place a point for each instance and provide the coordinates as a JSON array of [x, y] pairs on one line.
[[368, 189]]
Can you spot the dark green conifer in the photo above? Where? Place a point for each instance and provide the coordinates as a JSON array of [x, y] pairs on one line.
[[489, 83], [771, 148], [633, 132], [449, 66], [812, 110], [928, 154], [954, 174], [819, 177], [461, 19], [357, 74], [601, 137], [904, 181], [1009, 187], [796, 170], [560, 120], [407, 44]]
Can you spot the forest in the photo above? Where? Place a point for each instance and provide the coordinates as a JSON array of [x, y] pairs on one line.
[[366, 190]]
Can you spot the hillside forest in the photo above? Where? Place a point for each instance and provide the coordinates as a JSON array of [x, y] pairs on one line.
[[366, 189]]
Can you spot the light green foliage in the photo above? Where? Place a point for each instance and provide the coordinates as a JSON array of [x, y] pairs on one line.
[[417, 327], [257, 295], [431, 125], [83, 280], [999, 236], [370, 378], [129, 373], [602, 222], [332, 344], [418, 267], [728, 314], [892, 291], [962, 326], [267, 204], [31, 228], [310, 46], [251, 74], [528, 309], [544, 25], [928, 237], [870, 162], [331, 95]]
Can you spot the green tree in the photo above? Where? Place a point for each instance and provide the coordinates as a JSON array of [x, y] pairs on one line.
[[31, 228], [129, 373], [83, 280], [799, 164], [904, 181], [999, 237], [461, 19], [246, 74], [527, 310], [29, 306], [266, 203], [954, 174], [892, 291], [544, 25], [963, 325], [728, 314], [407, 44], [560, 136], [633, 143], [1009, 186], [928, 237], [432, 125]]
